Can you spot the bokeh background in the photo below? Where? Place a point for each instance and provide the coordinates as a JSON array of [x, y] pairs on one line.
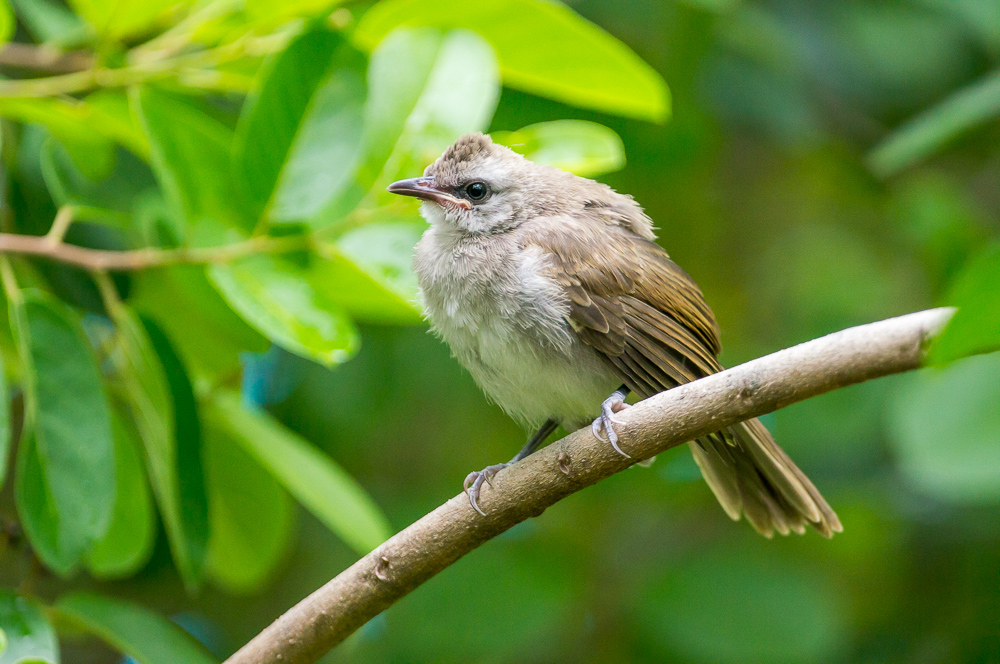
[[767, 185]]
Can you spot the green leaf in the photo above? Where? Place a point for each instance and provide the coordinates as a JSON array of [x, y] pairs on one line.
[[226, 23], [187, 432], [981, 19], [4, 423], [299, 105], [420, 85], [322, 159], [323, 154], [154, 220], [275, 297], [945, 427], [927, 133], [50, 22], [975, 327], [251, 517], [322, 486], [7, 21], [190, 154], [425, 89], [268, 12], [584, 148], [210, 336], [132, 630], [128, 544], [159, 396], [26, 632], [369, 273], [111, 113], [74, 124], [87, 128], [122, 18], [544, 48], [67, 495], [59, 546], [110, 201]]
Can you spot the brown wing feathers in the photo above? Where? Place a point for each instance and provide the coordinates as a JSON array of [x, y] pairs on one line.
[[648, 320]]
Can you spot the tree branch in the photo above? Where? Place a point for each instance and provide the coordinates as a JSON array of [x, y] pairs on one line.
[[140, 259], [44, 58], [149, 69], [411, 557]]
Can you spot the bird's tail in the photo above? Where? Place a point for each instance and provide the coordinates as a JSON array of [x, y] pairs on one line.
[[750, 474]]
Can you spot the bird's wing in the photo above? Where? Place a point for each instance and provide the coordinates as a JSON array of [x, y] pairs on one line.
[[632, 304], [648, 319]]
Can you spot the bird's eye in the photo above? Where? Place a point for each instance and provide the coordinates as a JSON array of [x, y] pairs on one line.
[[477, 190]]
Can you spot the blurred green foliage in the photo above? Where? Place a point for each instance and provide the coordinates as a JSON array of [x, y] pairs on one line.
[[209, 441]]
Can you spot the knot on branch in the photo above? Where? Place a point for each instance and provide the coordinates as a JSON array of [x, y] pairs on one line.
[[564, 461], [747, 388], [382, 568]]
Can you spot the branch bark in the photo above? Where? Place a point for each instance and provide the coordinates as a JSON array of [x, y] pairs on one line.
[[411, 557], [42, 58], [48, 246]]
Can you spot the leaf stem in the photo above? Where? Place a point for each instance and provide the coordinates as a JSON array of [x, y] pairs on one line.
[[64, 218], [109, 294], [9, 280]]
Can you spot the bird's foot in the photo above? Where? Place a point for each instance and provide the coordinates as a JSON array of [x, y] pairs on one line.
[[474, 483], [613, 404]]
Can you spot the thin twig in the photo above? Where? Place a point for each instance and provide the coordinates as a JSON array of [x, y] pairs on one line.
[[49, 85], [141, 259], [527, 488], [176, 38], [61, 224], [107, 77]]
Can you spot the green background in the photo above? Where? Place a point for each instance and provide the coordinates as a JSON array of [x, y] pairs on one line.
[[826, 164]]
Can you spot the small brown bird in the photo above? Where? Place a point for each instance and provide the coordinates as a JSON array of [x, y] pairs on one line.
[[552, 292]]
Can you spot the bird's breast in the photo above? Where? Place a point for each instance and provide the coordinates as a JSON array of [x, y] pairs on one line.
[[486, 291], [506, 322]]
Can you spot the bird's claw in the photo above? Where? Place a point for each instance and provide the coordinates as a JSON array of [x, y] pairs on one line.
[[613, 404], [474, 483]]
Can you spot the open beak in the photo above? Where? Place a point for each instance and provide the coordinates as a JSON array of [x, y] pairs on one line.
[[424, 189]]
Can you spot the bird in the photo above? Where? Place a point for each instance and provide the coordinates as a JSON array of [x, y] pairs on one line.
[[552, 291]]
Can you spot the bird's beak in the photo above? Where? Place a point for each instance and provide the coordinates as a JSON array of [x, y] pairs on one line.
[[425, 189]]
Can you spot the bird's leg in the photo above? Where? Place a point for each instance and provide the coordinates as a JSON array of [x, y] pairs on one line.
[[474, 481], [533, 444], [613, 404]]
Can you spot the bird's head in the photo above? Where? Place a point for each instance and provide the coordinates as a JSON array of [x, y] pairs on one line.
[[478, 187]]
